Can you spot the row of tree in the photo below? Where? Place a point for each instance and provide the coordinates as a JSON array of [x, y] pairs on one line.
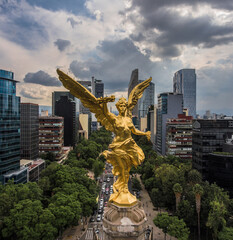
[[63, 195], [175, 186]]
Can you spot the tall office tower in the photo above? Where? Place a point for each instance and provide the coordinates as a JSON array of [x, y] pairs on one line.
[[151, 123], [29, 130], [184, 81], [10, 130], [148, 99], [97, 88], [66, 108], [57, 95], [51, 133], [179, 136], [169, 106], [208, 137], [133, 82]]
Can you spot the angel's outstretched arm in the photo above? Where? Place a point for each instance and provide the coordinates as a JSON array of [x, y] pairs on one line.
[[137, 132], [110, 116]]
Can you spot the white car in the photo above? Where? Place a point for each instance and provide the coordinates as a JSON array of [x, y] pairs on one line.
[[98, 219]]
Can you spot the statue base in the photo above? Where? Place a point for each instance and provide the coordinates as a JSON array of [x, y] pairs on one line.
[[122, 222], [123, 199]]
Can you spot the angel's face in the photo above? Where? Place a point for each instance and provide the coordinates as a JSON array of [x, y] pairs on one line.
[[122, 108]]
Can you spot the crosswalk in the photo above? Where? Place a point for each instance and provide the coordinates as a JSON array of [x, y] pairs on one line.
[[90, 234]]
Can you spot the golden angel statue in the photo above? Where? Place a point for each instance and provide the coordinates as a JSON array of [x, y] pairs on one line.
[[123, 152]]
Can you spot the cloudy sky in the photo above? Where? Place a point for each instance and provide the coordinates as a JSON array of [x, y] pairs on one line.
[[108, 39]]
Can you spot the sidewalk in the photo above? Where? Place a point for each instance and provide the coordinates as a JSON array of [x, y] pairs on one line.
[[151, 213], [75, 232]]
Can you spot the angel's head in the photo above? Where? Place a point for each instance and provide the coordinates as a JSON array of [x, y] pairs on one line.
[[121, 106]]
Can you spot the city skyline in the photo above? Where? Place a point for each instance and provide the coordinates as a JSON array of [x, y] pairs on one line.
[[157, 37]]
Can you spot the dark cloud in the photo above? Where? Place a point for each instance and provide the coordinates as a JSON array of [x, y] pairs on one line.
[[120, 58], [62, 44], [20, 27], [169, 29], [73, 22], [150, 5], [42, 78]]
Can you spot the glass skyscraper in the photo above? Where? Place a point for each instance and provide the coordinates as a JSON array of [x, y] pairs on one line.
[[9, 128], [184, 82], [148, 99]]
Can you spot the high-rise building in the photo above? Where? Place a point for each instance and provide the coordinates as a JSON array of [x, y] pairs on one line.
[[57, 95], [133, 82], [51, 132], [148, 99], [151, 123], [208, 137], [184, 82], [10, 130], [29, 132], [169, 106], [179, 136], [65, 107], [97, 88]]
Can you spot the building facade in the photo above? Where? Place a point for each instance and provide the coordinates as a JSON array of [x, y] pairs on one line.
[[179, 137], [220, 170], [208, 137], [57, 95], [97, 88], [83, 131], [9, 127], [184, 82], [65, 107], [29, 132], [133, 82], [151, 123], [169, 106], [35, 167], [51, 132], [147, 100]]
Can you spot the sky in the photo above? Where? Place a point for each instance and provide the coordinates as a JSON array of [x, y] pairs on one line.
[[108, 39]]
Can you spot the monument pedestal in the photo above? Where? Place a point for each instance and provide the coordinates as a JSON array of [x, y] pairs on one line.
[[121, 223]]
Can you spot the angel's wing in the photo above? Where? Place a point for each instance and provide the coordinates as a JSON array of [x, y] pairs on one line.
[[136, 94], [87, 98]]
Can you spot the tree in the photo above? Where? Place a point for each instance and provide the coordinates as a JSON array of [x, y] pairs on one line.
[[98, 167], [216, 221], [186, 212], [226, 233], [177, 228], [177, 189], [194, 177], [136, 185], [173, 225], [21, 223], [198, 190], [162, 221]]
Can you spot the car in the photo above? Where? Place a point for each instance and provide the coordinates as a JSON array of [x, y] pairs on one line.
[[111, 191], [98, 219], [107, 192], [100, 210], [97, 231], [92, 219], [108, 179], [107, 189], [105, 204]]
